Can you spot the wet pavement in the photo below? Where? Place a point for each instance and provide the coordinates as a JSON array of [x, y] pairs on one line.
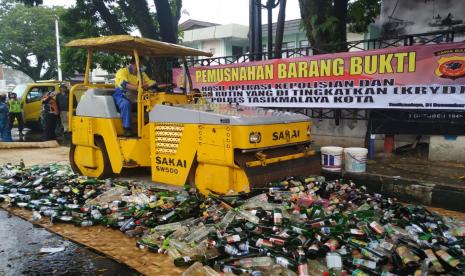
[[419, 168], [20, 245]]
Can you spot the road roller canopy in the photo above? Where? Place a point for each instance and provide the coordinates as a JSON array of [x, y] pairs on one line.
[[126, 44]]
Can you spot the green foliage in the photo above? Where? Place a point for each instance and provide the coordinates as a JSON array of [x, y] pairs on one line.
[[88, 18], [32, 3], [27, 39], [326, 21], [362, 13], [80, 22]]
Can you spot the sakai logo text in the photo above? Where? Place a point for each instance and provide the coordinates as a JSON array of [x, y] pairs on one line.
[[286, 135], [173, 162]]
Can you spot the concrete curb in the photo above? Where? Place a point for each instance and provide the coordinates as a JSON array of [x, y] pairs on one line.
[[26, 145], [408, 190]]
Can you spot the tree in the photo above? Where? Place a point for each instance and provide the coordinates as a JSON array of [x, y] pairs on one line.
[[27, 39], [326, 21], [33, 2], [278, 44], [106, 17], [136, 15]]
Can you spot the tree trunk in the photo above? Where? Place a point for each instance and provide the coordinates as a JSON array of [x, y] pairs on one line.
[[340, 12], [168, 18], [111, 20], [168, 32], [278, 44], [325, 24], [139, 12]]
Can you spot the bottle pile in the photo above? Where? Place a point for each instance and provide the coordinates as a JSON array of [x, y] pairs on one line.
[[298, 226], [54, 191]]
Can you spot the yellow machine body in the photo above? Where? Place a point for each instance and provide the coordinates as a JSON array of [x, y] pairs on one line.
[[214, 147], [210, 155]]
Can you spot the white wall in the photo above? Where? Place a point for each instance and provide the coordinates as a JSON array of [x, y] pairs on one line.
[[215, 46], [442, 149]]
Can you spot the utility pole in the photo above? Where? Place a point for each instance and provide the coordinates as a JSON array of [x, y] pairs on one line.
[[280, 29], [258, 29], [57, 34], [270, 5], [252, 49]]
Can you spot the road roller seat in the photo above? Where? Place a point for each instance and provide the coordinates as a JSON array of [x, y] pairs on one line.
[[98, 102]]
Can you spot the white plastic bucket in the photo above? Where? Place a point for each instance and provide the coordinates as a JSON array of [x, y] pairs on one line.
[[331, 158], [355, 159]]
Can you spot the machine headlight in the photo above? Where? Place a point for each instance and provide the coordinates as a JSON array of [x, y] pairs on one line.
[[308, 131], [255, 137]]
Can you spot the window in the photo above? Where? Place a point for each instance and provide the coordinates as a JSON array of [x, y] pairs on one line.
[[36, 93], [304, 43], [288, 45], [236, 50], [306, 51]]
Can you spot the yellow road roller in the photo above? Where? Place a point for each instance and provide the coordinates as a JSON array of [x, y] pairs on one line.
[[214, 147]]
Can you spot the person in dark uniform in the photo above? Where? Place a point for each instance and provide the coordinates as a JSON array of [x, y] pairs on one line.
[[62, 99], [5, 132], [50, 113]]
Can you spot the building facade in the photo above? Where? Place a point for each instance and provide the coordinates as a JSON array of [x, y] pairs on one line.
[[232, 39]]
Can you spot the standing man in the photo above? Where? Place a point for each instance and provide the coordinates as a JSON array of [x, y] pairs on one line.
[[50, 113], [16, 112], [126, 81], [63, 105], [5, 133]]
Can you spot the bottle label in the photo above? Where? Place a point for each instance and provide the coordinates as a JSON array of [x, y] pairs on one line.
[[302, 238], [231, 250], [233, 238], [313, 247], [359, 272], [282, 261], [294, 189], [386, 246], [318, 224], [357, 232], [263, 243], [284, 234], [277, 218], [243, 247], [432, 258], [332, 244], [333, 261], [167, 216], [448, 258], [325, 230], [365, 263], [303, 269], [369, 255], [297, 230], [277, 241], [405, 255], [377, 228], [359, 242]]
